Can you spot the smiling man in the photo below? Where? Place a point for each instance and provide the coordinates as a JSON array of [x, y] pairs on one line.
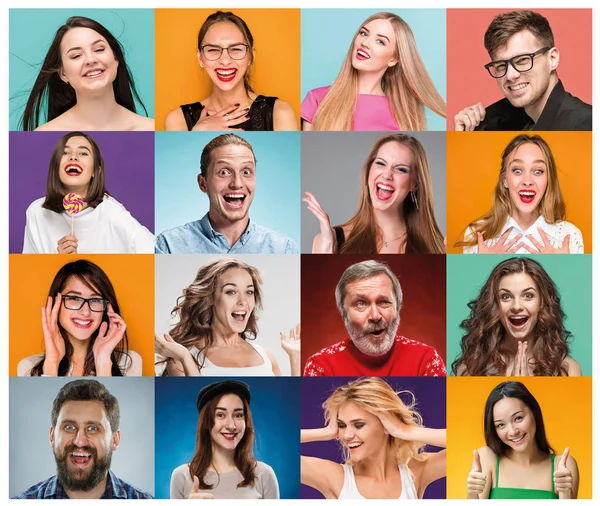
[[369, 298], [228, 177], [525, 67], [84, 434]]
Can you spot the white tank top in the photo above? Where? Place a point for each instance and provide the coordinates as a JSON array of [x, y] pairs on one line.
[[350, 490], [210, 369]]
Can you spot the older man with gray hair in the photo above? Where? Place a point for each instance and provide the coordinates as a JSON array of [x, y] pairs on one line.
[[369, 298]]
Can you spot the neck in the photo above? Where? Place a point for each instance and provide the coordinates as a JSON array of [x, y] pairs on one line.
[[80, 350], [391, 223], [97, 110], [534, 111], [95, 493], [223, 336], [221, 99], [232, 230], [512, 345], [369, 83], [379, 466], [524, 220], [222, 460], [529, 455]]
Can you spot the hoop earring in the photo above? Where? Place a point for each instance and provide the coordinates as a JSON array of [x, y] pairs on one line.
[[414, 199]]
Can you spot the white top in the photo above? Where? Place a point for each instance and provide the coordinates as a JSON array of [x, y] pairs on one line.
[[350, 490], [210, 369], [132, 365], [556, 232], [107, 228]]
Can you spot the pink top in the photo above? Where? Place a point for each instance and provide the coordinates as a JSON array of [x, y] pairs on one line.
[[372, 111]]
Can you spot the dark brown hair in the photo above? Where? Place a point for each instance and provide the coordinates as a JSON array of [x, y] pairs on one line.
[[504, 26], [55, 191], [243, 458], [519, 391], [483, 347], [58, 96], [95, 279], [219, 142], [230, 17]]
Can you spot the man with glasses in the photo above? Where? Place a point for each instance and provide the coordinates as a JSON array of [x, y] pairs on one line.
[[524, 64]]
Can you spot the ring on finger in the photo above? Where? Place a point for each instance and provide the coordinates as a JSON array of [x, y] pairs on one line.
[[227, 116]]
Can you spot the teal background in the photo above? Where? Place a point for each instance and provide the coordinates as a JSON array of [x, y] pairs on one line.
[[326, 35], [276, 203], [572, 274], [31, 32]]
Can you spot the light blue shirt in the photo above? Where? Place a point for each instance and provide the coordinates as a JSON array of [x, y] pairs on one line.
[[200, 237]]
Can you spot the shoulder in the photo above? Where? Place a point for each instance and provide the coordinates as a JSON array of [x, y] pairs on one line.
[[178, 234], [141, 123], [36, 206], [54, 125], [25, 365], [43, 490], [284, 116], [279, 243], [132, 364], [573, 367], [264, 470], [487, 457], [124, 490], [403, 341], [316, 364], [318, 93], [311, 102], [175, 119], [181, 472]]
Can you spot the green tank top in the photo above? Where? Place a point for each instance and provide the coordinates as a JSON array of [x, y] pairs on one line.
[[522, 493]]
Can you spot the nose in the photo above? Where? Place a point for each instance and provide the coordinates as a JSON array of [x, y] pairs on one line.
[[90, 58], [80, 439], [236, 180], [374, 314], [225, 58], [512, 73], [347, 434], [517, 304], [513, 431], [73, 155]]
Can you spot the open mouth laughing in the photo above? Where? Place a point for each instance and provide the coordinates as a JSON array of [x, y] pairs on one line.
[[362, 54], [384, 191], [226, 75], [234, 200], [74, 169], [93, 73], [527, 196], [518, 322]]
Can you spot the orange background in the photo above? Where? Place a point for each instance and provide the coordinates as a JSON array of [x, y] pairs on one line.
[[179, 79], [473, 162], [469, 82], [30, 277], [566, 406]]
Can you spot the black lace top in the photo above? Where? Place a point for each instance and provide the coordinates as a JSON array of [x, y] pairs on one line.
[[261, 114]]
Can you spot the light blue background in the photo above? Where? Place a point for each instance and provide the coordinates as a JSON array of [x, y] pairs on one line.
[[31, 32], [276, 203], [327, 35]]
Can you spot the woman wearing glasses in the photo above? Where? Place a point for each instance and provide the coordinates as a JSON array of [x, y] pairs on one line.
[[226, 53], [84, 333]]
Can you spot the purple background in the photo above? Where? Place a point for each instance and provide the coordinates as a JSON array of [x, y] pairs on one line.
[[129, 174], [430, 394]]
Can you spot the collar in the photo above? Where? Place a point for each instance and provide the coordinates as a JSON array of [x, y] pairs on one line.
[[112, 491], [511, 222], [551, 109], [213, 235], [367, 360]]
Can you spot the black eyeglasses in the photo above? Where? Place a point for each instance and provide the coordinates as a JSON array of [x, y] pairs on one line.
[[521, 63], [235, 52], [96, 304]]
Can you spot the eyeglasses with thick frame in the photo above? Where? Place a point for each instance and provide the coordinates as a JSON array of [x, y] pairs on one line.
[[521, 63], [96, 304], [235, 51]]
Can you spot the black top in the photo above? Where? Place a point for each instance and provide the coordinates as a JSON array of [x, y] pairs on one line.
[[563, 111], [340, 237], [261, 114]]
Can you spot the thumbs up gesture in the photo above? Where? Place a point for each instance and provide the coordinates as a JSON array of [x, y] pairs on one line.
[[476, 480], [563, 478], [196, 494]]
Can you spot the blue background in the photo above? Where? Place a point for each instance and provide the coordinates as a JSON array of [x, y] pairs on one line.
[[275, 409], [326, 35], [31, 32], [276, 203]]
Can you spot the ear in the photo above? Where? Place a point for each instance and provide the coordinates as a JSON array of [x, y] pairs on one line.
[[202, 183], [392, 63], [504, 182], [199, 58], [61, 74], [554, 57], [116, 439], [52, 435]]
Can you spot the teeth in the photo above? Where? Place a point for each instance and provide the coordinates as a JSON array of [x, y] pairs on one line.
[[385, 187], [354, 445], [235, 195], [94, 73], [226, 72], [527, 193], [81, 322], [363, 53], [239, 313], [76, 454], [518, 87]]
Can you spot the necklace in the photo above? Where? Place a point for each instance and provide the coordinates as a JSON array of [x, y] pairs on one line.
[[385, 243]]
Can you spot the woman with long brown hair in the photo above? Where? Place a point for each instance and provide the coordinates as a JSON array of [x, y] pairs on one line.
[[383, 83], [516, 326], [218, 326], [395, 211], [528, 213], [223, 465]]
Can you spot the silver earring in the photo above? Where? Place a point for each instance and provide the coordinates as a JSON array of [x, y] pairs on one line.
[[414, 199]]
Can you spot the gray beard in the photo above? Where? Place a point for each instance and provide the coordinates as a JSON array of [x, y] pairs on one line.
[[76, 481], [365, 344]]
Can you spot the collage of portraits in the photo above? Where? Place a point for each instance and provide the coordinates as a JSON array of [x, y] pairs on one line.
[[266, 253]]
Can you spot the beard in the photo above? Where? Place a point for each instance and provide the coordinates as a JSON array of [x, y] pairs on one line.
[[367, 344], [82, 480]]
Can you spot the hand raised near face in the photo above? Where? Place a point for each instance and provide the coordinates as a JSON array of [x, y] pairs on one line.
[[54, 343], [327, 234], [292, 345], [395, 427], [477, 479], [67, 244], [546, 246], [196, 494], [521, 363], [563, 478], [169, 348], [469, 118], [502, 246], [222, 120]]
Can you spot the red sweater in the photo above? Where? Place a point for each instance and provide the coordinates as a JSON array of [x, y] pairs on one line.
[[405, 358]]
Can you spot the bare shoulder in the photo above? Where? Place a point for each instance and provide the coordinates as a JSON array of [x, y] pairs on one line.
[[175, 120], [323, 475], [140, 122], [284, 116], [134, 367], [57, 124], [487, 456], [573, 367]]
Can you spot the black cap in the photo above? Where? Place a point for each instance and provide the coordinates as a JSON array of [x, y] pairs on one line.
[[222, 387]]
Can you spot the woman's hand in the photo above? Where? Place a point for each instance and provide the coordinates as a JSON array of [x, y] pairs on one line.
[[54, 343], [109, 336], [327, 433], [395, 427], [327, 235], [501, 246], [223, 120], [196, 494], [169, 348], [292, 347], [563, 479], [476, 480], [521, 364], [545, 246], [67, 244]]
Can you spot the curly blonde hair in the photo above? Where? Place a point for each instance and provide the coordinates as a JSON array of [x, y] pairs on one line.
[[376, 396]]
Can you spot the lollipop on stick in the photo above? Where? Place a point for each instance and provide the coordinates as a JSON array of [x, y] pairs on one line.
[[73, 204]]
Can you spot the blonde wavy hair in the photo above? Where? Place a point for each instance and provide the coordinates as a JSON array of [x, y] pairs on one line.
[[551, 207], [407, 85], [376, 396]]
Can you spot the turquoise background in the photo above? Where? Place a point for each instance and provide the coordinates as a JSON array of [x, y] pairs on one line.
[[31, 32], [572, 274], [326, 35], [276, 203]]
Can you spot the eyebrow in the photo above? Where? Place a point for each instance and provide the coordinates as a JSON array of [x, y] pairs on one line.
[[78, 48], [524, 290], [75, 292], [88, 422], [78, 147], [225, 409], [515, 413], [378, 35], [352, 421], [233, 284], [522, 161]]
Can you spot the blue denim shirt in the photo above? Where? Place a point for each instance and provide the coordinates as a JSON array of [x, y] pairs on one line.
[[200, 237], [52, 489]]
